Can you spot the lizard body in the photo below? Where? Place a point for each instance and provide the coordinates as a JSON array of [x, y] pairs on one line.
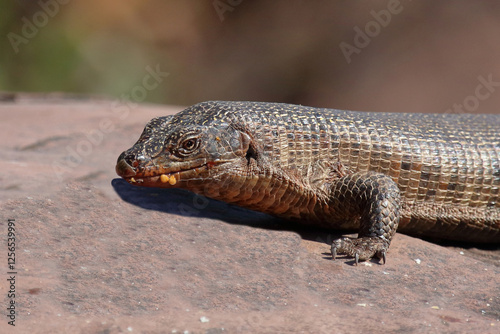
[[435, 175]]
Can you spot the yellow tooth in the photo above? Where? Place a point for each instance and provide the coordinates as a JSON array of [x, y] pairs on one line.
[[172, 180], [132, 180], [164, 178]]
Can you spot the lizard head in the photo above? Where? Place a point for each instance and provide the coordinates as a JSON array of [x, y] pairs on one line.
[[188, 150]]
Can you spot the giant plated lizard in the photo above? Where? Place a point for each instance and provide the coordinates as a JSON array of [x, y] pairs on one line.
[[435, 175]]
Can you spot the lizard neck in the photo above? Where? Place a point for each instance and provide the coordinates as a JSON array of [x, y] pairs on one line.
[[266, 189]]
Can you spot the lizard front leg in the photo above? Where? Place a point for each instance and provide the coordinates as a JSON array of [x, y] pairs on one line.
[[374, 199]]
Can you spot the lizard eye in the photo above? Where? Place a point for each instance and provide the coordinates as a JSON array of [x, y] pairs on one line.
[[188, 145]]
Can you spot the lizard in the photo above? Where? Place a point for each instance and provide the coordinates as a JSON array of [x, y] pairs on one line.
[[428, 175]]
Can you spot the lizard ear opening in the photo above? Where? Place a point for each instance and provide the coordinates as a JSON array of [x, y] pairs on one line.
[[248, 146], [251, 153]]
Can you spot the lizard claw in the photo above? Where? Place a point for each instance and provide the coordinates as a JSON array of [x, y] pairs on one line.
[[381, 255], [334, 251], [362, 249]]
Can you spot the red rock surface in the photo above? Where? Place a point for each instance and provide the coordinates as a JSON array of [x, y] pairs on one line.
[[96, 255]]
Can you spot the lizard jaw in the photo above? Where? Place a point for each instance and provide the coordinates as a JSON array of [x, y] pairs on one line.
[[165, 179], [158, 177]]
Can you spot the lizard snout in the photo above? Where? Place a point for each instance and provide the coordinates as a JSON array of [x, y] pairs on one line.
[[123, 169]]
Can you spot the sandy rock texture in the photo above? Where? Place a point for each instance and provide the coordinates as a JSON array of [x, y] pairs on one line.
[[96, 255]]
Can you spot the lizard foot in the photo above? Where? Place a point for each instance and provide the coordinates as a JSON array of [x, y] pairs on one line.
[[360, 249]]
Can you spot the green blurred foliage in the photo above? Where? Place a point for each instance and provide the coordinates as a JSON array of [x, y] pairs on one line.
[[67, 55]]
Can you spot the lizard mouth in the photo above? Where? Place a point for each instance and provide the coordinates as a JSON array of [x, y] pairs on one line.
[[157, 177], [164, 178]]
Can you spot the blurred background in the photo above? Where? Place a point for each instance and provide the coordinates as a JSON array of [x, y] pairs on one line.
[[399, 56]]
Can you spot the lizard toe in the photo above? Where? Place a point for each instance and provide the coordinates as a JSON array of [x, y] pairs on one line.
[[361, 249]]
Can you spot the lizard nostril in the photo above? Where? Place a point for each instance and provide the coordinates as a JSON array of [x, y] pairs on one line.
[[123, 169]]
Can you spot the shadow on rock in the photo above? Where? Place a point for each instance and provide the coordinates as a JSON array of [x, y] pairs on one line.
[[185, 203]]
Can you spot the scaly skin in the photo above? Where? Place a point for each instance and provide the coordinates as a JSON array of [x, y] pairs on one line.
[[432, 175]]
